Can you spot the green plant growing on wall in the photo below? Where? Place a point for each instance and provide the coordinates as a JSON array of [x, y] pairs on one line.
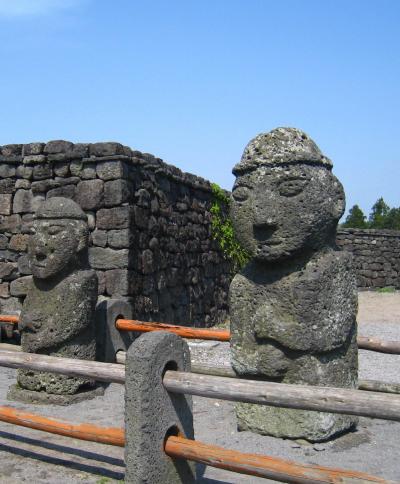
[[222, 230]]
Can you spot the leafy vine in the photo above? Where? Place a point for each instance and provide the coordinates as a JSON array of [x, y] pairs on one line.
[[222, 230]]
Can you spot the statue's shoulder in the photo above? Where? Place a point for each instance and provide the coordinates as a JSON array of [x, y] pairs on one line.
[[85, 278]]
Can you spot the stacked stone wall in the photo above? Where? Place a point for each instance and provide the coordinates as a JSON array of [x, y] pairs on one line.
[[150, 227], [376, 256]]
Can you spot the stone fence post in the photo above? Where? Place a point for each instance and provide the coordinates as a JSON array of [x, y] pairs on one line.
[[152, 414]]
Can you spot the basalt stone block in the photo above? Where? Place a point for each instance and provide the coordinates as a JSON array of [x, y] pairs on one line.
[[43, 171], [10, 223], [7, 186], [4, 290], [7, 170], [106, 149], [105, 258], [3, 241], [67, 191], [119, 239], [114, 218], [58, 146], [58, 312], [19, 242], [25, 184], [90, 195], [116, 192], [33, 149], [61, 169], [118, 282], [34, 159], [5, 204], [112, 170], [25, 201], [8, 270], [24, 171], [11, 150], [99, 238], [293, 307]]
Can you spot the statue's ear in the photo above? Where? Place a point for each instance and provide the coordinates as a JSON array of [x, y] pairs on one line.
[[339, 200]]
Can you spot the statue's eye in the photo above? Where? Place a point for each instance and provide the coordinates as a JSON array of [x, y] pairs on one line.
[[290, 188], [240, 194], [54, 230]]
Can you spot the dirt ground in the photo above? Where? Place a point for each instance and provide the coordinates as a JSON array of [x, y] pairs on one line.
[[36, 457]]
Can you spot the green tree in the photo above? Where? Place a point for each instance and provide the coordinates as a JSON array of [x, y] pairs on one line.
[[392, 219], [355, 219], [378, 215]]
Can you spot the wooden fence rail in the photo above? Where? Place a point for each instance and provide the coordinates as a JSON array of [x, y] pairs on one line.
[[179, 447], [365, 343], [108, 372], [322, 399]]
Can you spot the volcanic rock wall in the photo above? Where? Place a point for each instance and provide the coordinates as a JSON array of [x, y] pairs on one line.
[[376, 256], [150, 227]]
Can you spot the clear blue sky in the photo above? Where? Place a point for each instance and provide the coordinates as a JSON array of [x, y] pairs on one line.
[[193, 81]]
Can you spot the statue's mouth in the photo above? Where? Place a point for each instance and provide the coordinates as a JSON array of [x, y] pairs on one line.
[[263, 233]]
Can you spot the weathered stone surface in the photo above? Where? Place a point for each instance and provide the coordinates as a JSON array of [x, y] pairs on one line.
[[34, 159], [100, 258], [118, 282], [3, 241], [10, 223], [25, 201], [151, 413], [19, 242], [61, 169], [33, 149], [293, 307], [58, 312], [7, 185], [111, 170], [6, 170], [67, 191], [41, 172], [114, 218], [11, 150], [24, 266], [106, 149], [25, 171], [25, 184], [119, 239], [58, 146], [5, 204], [4, 289], [89, 194], [21, 286], [99, 238], [7, 270], [116, 192]]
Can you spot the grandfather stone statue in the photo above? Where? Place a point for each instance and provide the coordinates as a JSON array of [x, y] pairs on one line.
[[57, 318], [293, 307]]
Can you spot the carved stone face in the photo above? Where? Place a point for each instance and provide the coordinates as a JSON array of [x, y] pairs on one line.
[[278, 211], [54, 246]]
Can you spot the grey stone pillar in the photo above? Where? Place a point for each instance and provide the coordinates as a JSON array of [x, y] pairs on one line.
[[151, 413], [109, 339]]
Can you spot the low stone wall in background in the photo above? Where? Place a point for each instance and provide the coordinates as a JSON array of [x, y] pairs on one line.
[[376, 255], [150, 227]]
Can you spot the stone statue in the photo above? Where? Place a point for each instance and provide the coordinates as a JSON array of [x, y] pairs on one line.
[[293, 307], [57, 317]]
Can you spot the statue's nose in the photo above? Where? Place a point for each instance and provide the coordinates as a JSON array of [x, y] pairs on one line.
[[265, 216]]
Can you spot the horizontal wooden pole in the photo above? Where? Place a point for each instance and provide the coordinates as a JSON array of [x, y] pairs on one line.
[[375, 344], [109, 372], [9, 318], [227, 371], [365, 343], [183, 331], [262, 466], [179, 447], [93, 433], [322, 399]]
